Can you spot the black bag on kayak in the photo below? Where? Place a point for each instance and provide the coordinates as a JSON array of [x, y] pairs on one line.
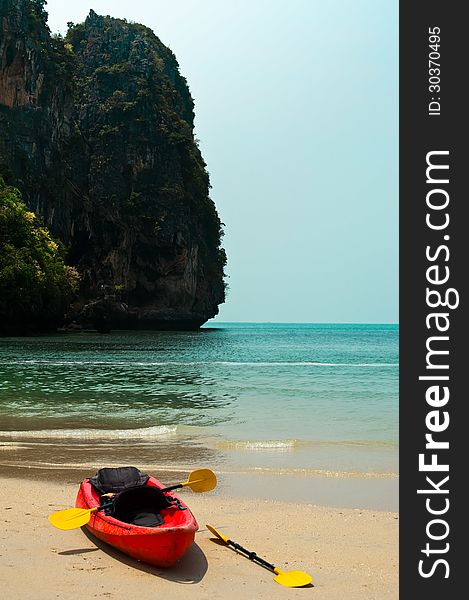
[[117, 479], [140, 505]]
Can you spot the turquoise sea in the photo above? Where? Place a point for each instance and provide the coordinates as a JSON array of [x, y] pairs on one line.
[[306, 398]]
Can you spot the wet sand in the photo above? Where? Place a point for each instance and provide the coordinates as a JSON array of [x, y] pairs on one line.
[[351, 553], [255, 474]]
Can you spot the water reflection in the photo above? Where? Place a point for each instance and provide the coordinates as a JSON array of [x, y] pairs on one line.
[[111, 393]]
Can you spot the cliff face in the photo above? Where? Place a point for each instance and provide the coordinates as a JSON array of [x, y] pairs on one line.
[[36, 107], [97, 132]]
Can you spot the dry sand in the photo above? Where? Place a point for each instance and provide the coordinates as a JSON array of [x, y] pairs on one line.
[[351, 553]]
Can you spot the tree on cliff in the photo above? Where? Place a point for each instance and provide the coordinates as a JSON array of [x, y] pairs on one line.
[[35, 284]]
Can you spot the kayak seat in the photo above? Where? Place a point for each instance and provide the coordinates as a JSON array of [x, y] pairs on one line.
[[140, 505], [116, 479]]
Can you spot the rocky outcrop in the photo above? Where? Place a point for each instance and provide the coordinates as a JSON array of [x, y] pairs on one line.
[[36, 110], [96, 130]]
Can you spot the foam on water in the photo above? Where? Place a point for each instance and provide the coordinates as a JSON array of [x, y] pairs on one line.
[[147, 433], [293, 444], [258, 444]]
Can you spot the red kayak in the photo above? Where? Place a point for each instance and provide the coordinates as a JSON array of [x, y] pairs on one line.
[[162, 544]]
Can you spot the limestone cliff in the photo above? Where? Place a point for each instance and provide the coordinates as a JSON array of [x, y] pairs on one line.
[[96, 130]]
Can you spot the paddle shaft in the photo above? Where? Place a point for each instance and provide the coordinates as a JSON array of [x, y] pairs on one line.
[[107, 505], [176, 486], [253, 556], [172, 487], [166, 489]]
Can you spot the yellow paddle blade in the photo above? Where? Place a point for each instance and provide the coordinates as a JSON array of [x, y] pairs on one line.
[[202, 480], [292, 578], [71, 518], [217, 533]]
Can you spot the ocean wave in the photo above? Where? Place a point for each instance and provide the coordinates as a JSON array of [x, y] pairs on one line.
[[147, 433], [258, 444], [194, 363], [292, 444]]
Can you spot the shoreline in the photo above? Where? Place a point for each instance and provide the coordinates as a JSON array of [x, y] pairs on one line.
[[350, 553], [355, 491], [346, 474]]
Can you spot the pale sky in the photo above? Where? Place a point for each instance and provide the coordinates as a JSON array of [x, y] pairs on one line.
[[296, 106]]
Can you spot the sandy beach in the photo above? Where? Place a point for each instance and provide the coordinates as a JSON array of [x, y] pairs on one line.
[[351, 553], [299, 423]]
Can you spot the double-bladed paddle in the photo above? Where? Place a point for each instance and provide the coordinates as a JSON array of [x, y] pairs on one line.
[[202, 480], [286, 578]]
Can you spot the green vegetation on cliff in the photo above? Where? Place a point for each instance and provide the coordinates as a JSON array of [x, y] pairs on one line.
[[35, 284]]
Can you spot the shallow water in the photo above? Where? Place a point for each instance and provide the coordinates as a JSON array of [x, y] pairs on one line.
[[304, 399]]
